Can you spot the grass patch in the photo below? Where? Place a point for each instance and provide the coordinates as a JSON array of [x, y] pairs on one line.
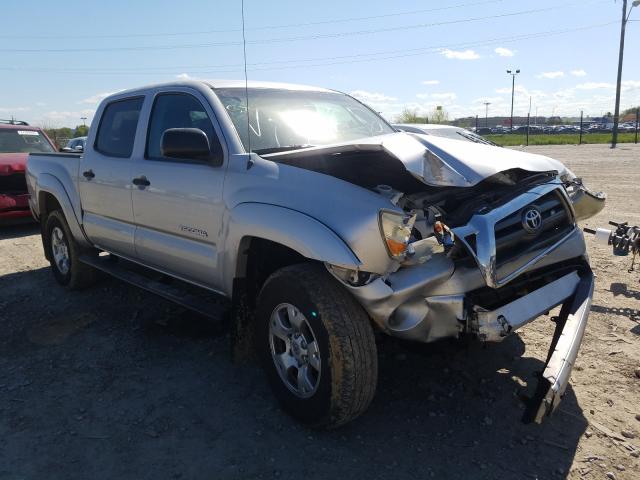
[[510, 140]]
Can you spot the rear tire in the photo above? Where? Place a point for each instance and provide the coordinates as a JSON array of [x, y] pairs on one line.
[[316, 344], [64, 254]]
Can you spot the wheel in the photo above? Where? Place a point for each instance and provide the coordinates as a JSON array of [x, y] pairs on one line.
[[64, 254], [316, 345]]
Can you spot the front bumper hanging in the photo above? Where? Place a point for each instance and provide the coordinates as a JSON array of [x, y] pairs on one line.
[[570, 327]]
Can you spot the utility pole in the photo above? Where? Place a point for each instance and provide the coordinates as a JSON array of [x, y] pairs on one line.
[[486, 114], [623, 26], [513, 89]]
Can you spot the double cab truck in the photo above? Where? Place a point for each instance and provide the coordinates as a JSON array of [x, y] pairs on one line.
[[320, 225]]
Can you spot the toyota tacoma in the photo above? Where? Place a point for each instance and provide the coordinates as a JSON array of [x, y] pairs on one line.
[[319, 225]]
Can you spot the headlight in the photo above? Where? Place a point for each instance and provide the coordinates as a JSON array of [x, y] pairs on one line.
[[396, 231]]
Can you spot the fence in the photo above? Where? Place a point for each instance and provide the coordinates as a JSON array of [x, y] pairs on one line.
[[576, 132]]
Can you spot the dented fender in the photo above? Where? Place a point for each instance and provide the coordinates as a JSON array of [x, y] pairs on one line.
[[291, 228]]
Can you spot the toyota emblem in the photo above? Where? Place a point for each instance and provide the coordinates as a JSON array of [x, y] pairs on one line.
[[531, 220]]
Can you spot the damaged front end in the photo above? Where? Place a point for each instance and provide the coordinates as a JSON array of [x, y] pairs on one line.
[[478, 250]]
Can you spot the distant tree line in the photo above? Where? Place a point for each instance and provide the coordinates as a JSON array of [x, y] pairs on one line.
[[411, 115], [61, 135]]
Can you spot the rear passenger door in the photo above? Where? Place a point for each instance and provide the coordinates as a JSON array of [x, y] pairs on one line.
[[104, 180], [178, 212]]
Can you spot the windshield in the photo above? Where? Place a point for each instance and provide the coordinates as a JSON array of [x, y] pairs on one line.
[[282, 120], [23, 141]]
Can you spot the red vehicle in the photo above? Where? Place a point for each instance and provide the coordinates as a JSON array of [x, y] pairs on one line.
[[17, 140]]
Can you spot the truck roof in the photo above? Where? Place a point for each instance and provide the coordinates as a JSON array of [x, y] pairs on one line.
[[12, 126], [223, 84]]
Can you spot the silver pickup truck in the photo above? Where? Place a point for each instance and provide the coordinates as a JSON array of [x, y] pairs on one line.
[[318, 224]]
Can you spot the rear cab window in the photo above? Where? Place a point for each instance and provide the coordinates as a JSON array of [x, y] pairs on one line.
[[23, 141], [118, 125]]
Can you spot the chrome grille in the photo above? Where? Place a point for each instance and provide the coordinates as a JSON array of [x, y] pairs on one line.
[[503, 248], [516, 246]]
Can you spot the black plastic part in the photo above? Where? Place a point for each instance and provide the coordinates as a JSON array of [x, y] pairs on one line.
[[204, 302], [532, 404], [141, 181], [187, 144]]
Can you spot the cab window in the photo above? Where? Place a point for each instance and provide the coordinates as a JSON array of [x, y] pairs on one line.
[[117, 130], [178, 110]]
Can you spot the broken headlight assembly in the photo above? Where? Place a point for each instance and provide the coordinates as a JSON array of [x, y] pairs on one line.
[[396, 231], [355, 278], [586, 203]]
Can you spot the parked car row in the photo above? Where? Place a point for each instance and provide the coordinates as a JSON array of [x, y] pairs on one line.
[[556, 129]]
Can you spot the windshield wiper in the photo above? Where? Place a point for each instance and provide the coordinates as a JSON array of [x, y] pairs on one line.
[[283, 148], [476, 139]]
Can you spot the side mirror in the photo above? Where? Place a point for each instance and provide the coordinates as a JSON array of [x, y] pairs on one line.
[[79, 148], [185, 143]]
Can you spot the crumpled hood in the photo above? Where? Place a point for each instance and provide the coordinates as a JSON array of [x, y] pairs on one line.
[[11, 163], [442, 161], [435, 161]]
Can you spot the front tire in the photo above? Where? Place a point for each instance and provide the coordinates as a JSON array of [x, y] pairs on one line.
[[64, 254], [316, 345]]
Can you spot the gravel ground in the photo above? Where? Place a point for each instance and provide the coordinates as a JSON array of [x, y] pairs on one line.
[[113, 382]]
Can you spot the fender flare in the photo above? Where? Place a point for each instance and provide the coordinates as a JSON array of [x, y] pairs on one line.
[[48, 183], [293, 229]]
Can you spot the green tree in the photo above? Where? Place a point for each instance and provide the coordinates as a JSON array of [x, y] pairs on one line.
[[81, 131], [59, 135], [439, 115], [409, 115]]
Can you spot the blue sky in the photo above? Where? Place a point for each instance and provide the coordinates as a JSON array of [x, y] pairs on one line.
[[61, 58]]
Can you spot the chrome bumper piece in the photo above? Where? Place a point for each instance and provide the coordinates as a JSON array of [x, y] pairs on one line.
[[570, 327], [493, 326]]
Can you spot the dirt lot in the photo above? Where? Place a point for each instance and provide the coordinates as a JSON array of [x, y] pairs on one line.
[[113, 382]]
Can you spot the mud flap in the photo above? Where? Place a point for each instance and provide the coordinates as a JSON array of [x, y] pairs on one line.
[[243, 325], [570, 327]]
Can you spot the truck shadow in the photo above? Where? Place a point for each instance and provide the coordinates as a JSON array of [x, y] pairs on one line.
[[22, 229], [114, 382]]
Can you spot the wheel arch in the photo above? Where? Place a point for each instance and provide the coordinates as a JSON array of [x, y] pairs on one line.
[[260, 240], [285, 230], [52, 196]]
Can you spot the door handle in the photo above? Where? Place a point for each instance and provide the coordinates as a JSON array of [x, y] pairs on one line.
[[88, 174], [141, 181]]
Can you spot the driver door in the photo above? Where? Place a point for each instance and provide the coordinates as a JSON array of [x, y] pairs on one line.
[[177, 202]]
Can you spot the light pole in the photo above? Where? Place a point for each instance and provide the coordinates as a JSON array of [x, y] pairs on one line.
[[616, 115], [513, 89], [486, 114], [84, 124]]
